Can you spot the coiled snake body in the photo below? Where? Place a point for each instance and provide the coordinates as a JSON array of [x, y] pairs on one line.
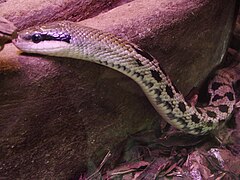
[[68, 39]]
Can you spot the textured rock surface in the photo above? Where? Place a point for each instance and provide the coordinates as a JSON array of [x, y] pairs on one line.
[[7, 31], [31, 12], [185, 36], [57, 114]]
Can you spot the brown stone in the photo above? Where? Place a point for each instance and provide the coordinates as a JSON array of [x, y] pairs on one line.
[[58, 114], [7, 31], [29, 12]]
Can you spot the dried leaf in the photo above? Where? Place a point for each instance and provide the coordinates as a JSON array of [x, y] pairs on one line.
[[153, 169], [128, 168], [196, 166]]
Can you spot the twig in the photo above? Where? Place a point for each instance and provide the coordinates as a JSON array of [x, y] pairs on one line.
[[101, 165]]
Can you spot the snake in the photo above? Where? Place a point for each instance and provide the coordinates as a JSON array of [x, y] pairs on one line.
[[72, 40]]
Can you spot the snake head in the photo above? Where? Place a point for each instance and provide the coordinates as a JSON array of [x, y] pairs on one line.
[[50, 39]]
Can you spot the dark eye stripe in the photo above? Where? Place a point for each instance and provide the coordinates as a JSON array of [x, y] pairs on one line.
[[49, 37], [61, 37]]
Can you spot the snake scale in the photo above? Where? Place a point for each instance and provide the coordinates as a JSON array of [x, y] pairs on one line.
[[69, 39]]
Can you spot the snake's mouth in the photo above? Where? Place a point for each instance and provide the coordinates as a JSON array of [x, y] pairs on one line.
[[22, 42], [22, 45], [43, 47]]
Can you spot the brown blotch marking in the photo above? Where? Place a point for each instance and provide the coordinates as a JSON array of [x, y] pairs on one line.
[[198, 110], [139, 62], [195, 118], [169, 106], [124, 68], [223, 108], [156, 75], [216, 85], [118, 66], [158, 100], [128, 70], [149, 85], [143, 53], [145, 83], [170, 116], [105, 62], [157, 91], [137, 74], [182, 107], [229, 96], [169, 91], [216, 97], [209, 123], [211, 114]]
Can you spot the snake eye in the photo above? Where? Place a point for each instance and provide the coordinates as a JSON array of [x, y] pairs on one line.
[[36, 38]]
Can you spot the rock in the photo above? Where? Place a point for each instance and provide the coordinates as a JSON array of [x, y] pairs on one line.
[[30, 12], [7, 31], [57, 115]]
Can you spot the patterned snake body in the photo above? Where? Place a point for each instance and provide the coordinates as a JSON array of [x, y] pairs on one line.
[[68, 39]]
